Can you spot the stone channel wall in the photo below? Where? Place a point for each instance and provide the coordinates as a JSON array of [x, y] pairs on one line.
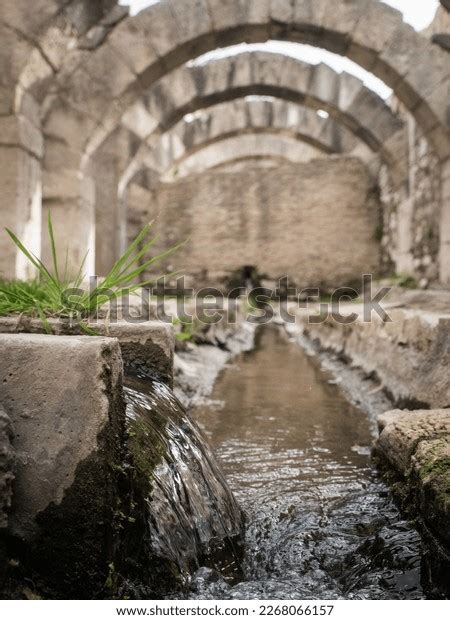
[[409, 355]]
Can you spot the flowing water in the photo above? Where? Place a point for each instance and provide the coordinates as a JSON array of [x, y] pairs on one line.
[[191, 517], [296, 453]]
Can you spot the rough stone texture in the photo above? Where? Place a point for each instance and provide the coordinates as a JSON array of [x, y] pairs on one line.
[[149, 344], [417, 445], [443, 40], [6, 468], [64, 398], [401, 432], [409, 355], [412, 214], [291, 220]]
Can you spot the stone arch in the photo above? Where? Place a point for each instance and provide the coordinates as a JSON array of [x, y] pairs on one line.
[[238, 116], [258, 145], [35, 45], [370, 33], [169, 33], [139, 50], [343, 96], [191, 88], [223, 122]]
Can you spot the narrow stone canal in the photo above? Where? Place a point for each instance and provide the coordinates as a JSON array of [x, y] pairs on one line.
[[320, 521]]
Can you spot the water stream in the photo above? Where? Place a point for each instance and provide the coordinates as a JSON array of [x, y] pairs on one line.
[[296, 453], [191, 517]]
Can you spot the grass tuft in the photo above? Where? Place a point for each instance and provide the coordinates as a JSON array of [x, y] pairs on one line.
[[53, 294]]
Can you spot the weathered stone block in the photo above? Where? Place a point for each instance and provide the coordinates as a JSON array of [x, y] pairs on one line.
[[138, 120], [132, 41], [372, 32], [192, 17], [21, 209], [69, 125], [402, 432], [309, 13], [179, 89], [296, 76], [64, 398], [417, 445], [265, 68], [281, 11], [19, 131], [235, 13], [349, 88], [431, 475], [160, 27], [18, 15], [108, 69], [149, 345], [324, 84], [398, 52], [208, 82], [150, 342], [344, 16], [443, 40]]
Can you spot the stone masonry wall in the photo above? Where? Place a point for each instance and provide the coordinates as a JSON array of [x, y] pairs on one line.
[[316, 222], [411, 214]]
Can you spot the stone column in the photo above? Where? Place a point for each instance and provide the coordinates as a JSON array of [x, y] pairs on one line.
[[69, 197], [21, 150]]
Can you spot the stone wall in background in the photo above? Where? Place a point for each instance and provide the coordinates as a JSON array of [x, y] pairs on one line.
[[412, 213], [316, 222]]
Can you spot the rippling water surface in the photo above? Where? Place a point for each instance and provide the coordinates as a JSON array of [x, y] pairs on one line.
[[320, 523]]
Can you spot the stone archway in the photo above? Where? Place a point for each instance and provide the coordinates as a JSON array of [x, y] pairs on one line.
[[367, 31], [191, 88]]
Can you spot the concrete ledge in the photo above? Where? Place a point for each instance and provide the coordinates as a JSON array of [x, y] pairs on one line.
[[148, 344], [417, 445], [64, 397]]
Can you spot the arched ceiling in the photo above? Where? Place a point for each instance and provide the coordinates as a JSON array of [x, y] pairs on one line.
[[240, 116], [142, 49], [245, 146]]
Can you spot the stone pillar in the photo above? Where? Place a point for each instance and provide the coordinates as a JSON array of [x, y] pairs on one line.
[[105, 171], [70, 199], [21, 149]]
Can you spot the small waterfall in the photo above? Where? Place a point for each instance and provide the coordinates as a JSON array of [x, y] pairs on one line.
[[192, 517]]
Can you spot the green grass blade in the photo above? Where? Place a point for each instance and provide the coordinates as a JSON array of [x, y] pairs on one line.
[[53, 246], [45, 323]]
